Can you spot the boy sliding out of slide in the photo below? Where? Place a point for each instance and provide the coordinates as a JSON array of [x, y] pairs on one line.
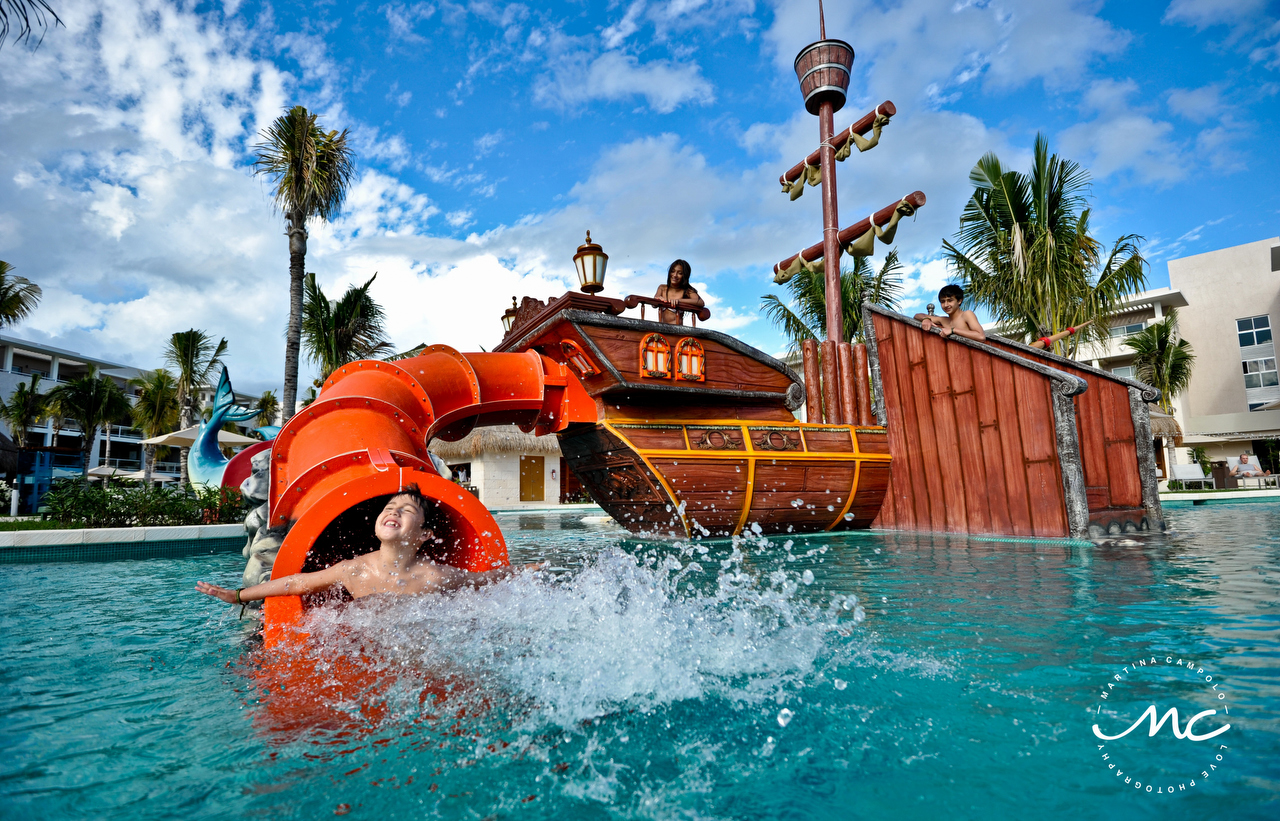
[[956, 321], [397, 567]]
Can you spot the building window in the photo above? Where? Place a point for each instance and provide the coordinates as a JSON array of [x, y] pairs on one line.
[[1260, 373], [1256, 330], [1126, 330], [1128, 372], [655, 357], [690, 359]]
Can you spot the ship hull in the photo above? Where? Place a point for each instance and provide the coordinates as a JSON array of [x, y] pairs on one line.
[[717, 478]]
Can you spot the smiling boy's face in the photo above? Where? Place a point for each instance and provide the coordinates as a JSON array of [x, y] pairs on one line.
[[949, 304], [401, 521]]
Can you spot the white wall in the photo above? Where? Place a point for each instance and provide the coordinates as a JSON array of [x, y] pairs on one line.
[[497, 478]]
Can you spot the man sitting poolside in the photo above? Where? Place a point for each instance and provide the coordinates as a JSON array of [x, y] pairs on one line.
[[1246, 468]]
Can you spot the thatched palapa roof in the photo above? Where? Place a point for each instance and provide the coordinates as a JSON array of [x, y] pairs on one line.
[[1163, 425], [506, 439]]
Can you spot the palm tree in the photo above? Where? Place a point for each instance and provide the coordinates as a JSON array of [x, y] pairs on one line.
[[18, 295], [1163, 360], [1024, 251], [21, 13], [155, 412], [91, 402], [335, 333], [311, 171], [56, 416], [194, 356], [25, 408], [808, 292], [267, 407]]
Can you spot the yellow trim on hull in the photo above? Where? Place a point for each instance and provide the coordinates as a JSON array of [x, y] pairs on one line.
[[749, 454]]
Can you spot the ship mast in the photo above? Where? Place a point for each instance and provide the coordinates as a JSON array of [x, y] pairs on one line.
[[830, 209], [823, 69]]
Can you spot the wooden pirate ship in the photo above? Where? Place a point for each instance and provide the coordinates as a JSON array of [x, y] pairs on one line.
[[695, 431]]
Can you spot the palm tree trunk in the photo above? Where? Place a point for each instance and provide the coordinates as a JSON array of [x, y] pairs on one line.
[[88, 438], [148, 464], [293, 339], [184, 422]]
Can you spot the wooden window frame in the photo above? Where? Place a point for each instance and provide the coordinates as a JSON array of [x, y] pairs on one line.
[[577, 358], [660, 348], [693, 349]]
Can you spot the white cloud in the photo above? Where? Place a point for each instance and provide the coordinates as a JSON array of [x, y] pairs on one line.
[[1205, 13], [398, 97], [485, 143], [402, 20], [905, 47], [1196, 104], [370, 145], [1251, 28], [616, 34], [580, 78], [1124, 138]]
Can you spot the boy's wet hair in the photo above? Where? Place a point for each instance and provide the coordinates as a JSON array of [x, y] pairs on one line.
[[412, 491], [953, 291]]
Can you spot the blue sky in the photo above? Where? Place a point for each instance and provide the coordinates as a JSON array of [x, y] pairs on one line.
[[491, 136]]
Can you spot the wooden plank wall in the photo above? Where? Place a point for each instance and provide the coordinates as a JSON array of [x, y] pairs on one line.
[[972, 437], [1108, 446]]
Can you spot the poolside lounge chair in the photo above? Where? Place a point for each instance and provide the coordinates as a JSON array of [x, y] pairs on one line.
[[1250, 481], [1191, 473]]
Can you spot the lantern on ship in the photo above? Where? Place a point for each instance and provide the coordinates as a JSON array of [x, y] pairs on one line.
[[509, 317], [590, 262]]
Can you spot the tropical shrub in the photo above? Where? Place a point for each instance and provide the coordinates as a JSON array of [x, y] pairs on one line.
[[72, 503]]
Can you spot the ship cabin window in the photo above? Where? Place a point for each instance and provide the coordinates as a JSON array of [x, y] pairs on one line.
[[577, 359], [690, 360], [655, 357]]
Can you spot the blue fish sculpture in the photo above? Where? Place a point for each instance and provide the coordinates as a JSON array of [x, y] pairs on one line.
[[205, 461]]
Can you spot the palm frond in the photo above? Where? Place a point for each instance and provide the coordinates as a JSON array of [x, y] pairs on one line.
[[26, 15], [1024, 250], [19, 296], [335, 332], [311, 169]]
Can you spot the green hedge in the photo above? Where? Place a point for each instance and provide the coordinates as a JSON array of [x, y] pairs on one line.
[[72, 503]]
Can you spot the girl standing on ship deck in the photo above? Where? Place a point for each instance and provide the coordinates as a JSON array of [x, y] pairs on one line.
[[677, 290]]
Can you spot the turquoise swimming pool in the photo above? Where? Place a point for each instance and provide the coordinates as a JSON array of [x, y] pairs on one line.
[[648, 680]]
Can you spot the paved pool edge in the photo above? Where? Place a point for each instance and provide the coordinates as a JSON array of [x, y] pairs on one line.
[[97, 544]]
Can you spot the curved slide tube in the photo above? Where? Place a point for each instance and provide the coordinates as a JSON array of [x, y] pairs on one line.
[[366, 435]]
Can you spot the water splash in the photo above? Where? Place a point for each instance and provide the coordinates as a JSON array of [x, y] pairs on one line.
[[625, 632]]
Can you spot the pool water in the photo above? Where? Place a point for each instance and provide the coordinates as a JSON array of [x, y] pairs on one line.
[[854, 676]]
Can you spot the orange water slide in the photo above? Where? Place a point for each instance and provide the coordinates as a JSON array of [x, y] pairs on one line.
[[366, 435]]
